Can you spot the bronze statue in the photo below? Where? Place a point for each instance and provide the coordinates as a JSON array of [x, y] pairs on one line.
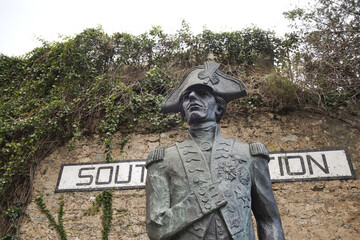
[[206, 186]]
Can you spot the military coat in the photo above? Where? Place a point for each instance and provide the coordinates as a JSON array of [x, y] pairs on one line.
[[183, 191]]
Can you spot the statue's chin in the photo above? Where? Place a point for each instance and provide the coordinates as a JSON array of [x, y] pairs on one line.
[[195, 117]]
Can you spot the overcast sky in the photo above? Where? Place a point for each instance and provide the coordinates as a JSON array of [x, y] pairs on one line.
[[22, 22]]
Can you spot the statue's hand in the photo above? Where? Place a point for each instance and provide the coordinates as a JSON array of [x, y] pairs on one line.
[[210, 197]]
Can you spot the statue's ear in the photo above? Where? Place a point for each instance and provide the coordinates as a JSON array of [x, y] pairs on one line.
[[218, 110]]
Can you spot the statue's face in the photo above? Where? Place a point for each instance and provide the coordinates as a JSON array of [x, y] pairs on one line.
[[199, 105]]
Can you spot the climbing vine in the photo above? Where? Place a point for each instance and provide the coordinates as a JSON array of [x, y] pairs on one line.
[[59, 225], [105, 200]]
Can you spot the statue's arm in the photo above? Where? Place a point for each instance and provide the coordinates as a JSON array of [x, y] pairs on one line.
[[264, 205], [163, 221]]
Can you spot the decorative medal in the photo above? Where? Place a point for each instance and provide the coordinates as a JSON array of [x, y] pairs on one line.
[[227, 170], [244, 176]]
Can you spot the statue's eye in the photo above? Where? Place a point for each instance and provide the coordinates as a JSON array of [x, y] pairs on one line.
[[202, 93], [185, 97]]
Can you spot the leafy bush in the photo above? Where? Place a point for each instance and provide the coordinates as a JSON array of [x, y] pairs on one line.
[[281, 91], [63, 91], [330, 50]]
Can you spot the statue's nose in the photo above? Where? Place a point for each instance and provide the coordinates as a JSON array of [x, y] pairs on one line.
[[193, 95]]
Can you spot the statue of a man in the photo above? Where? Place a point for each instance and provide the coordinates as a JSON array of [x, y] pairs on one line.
[[206, 186]]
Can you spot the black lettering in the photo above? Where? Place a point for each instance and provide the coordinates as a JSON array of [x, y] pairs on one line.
[[85, 176], [288, 165], [324, 168], [98, 175], [117, 174], [142, 171], [280, 165]]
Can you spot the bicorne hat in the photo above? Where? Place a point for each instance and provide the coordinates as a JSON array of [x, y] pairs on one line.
[[223, 85]]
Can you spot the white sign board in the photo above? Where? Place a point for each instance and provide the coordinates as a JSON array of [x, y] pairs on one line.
[[310, 165], [131, 174], [100, 176]]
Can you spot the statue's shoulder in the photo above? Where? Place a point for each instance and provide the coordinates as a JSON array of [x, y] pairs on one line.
[[255, 149], [155, 155], [158, 154], [258, 149]]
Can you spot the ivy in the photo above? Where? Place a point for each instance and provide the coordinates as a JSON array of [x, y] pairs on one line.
[[105, 200], [13, 214], [59, 225]]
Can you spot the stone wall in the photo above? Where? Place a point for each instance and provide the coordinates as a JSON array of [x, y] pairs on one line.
[[309, 210]]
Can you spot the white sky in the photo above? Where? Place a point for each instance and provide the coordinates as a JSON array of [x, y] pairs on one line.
[[23, 21]]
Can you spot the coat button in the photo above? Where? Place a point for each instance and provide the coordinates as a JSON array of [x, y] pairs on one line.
[[202, 191], [204, 199], [208, 206], [197, 226]]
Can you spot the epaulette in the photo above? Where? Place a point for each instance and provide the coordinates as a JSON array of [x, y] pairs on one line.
[[155, 155], [258, 149]]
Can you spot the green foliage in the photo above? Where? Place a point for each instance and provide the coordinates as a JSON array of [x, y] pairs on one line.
[[249, 47], [15, 211], [329, 33], [94, 209], [124, 211], [105, 200], [59, 225], [65, 90], [13, 214], [281, 91], [9, 236]]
